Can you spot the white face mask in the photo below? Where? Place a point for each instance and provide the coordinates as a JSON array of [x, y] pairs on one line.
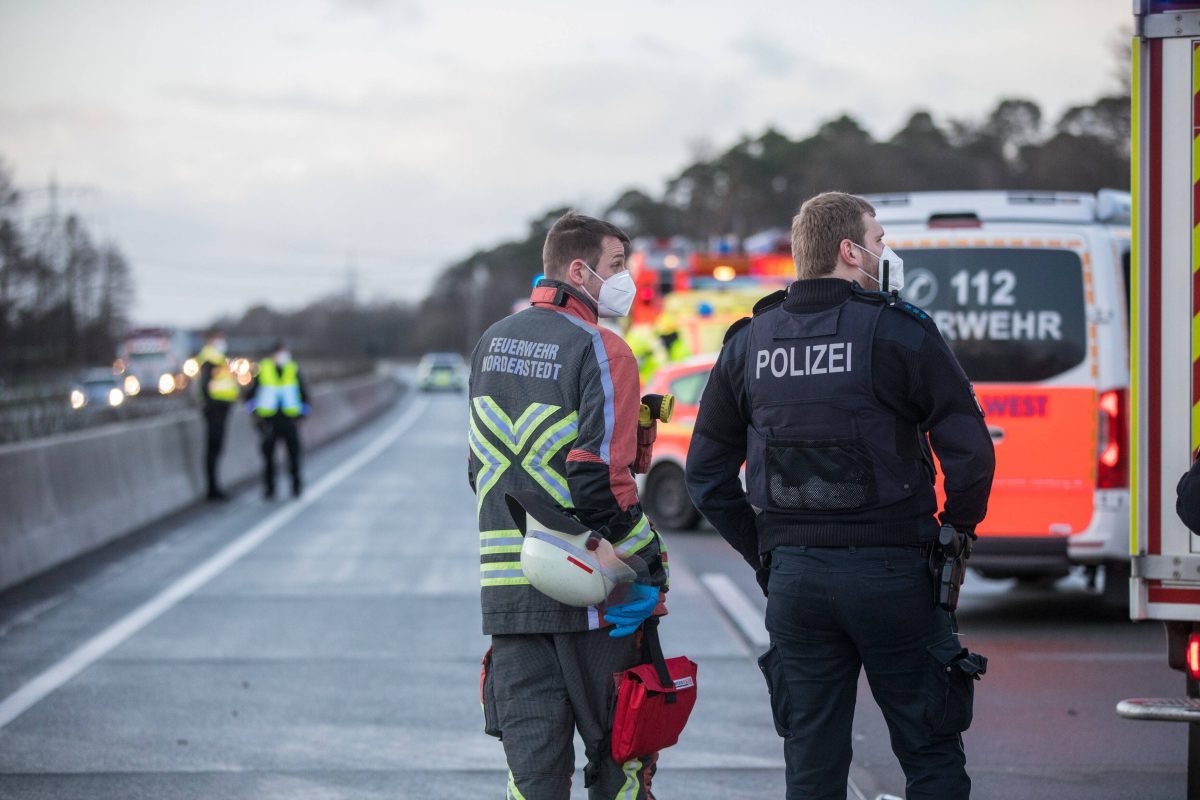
[[616, 293], [219, 345], [283, 357], [895, 267]]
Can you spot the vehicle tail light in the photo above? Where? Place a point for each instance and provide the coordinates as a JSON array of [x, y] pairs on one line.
[[1193, 656], [1113, 462]]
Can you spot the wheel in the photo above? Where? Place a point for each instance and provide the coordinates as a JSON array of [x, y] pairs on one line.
[[667, 499], [1116, 585]]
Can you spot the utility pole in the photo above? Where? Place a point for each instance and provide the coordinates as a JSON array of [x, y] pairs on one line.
[[476, 287], [351, 280]]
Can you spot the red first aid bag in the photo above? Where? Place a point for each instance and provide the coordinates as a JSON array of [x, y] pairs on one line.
[[653, 701]]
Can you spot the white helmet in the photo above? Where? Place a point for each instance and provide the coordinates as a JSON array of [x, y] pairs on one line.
[[561, 556]]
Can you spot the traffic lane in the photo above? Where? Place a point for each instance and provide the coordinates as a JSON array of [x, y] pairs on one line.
[[132, 702], [45, 618], [341, 655], [1059, 661]]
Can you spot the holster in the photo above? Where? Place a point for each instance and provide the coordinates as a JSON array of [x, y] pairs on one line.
[[948, 563]]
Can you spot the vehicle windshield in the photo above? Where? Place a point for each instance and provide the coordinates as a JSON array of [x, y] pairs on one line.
[[1009, 314], [687, 388]]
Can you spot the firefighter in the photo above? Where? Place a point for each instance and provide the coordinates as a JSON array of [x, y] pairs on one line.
[[672, 342], [831, 394], [554, 401], [280, 400], [219, 391], [646, 347]]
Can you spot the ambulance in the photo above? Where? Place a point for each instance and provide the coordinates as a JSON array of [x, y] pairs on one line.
[[1030, 290]]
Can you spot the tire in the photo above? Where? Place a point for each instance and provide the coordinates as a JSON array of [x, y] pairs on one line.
[[668, 501], [1116, 585]]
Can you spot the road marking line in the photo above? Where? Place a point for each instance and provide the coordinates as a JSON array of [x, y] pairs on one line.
[[1136, 656], [745, 614], [116, 634]]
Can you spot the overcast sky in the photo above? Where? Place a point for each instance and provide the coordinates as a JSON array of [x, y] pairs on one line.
[[254, 151]]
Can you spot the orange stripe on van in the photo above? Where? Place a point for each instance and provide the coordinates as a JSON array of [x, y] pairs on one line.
[[1045, 459]]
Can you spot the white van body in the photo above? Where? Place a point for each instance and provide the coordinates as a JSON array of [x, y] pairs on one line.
[[1030, 291]]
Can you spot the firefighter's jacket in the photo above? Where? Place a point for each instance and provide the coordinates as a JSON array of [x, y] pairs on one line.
[[554, 402]]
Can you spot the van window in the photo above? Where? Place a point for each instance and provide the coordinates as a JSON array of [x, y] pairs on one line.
[[1009, 314]]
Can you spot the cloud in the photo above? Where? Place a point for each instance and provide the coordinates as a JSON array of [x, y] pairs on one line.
[[766, 55], [405, 12], [385, 104], [653, 45]]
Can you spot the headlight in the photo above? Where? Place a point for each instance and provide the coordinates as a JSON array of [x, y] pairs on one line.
[[78, 399], [166, 383], [191, 368], [115, 397], [132, 385]]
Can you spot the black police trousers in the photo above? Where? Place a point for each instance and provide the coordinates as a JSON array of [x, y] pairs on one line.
[[215, 415], [274, 429], [831, 610]]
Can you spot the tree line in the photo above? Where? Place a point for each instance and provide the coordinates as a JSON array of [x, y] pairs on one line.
[[64, 297], [760, 182]]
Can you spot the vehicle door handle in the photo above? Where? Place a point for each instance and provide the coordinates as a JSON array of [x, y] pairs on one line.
[[996, 433]]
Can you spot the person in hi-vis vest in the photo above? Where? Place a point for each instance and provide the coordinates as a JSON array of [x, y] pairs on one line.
[[278, 399], [219, 390]]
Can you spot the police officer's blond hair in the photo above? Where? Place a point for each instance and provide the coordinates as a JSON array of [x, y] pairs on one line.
[[818, 230]]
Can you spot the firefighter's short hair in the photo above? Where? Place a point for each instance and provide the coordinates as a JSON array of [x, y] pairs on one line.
[[818, 230], [574, 236]]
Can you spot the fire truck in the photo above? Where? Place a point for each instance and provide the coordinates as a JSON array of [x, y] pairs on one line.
[[663, 266], [1165, 349]]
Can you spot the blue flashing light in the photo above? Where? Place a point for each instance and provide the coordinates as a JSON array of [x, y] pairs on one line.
[[704, 309]]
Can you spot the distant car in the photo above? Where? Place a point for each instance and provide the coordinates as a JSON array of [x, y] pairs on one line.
[[662, 490], [442, 371], [99, 388]]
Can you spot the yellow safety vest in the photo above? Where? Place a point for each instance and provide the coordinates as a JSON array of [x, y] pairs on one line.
[[277, 391], [221, 384]]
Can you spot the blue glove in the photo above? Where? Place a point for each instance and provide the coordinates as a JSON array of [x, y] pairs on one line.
[[633, 612]]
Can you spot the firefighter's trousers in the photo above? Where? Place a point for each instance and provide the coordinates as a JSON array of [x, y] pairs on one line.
[[544, 687]]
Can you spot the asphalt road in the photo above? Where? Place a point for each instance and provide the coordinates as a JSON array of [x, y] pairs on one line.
[[329, 647]]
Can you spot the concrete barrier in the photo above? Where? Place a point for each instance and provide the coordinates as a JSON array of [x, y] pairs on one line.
[[65, 495]]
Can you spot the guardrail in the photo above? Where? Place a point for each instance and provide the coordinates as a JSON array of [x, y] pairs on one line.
[[65, 495]]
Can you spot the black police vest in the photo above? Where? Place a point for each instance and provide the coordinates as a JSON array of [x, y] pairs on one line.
[[820, 446]]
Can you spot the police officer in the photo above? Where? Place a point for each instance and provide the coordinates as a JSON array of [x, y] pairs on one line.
[[220, 391], [554, 402], [279, 400], [828, 394]]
